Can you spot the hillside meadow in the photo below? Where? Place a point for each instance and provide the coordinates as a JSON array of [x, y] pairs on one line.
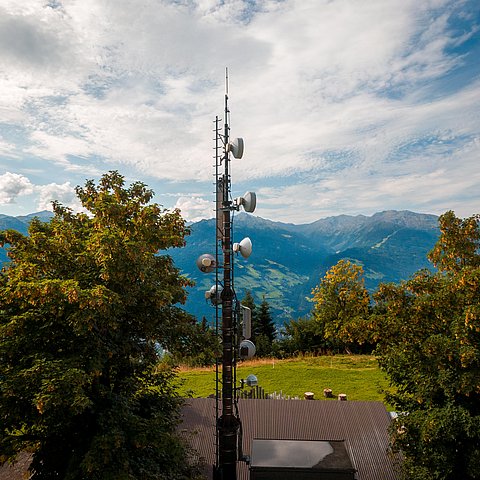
[[358, 376]]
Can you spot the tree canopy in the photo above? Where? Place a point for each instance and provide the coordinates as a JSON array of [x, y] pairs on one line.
[[301, 335], [341, 305], [264, 328], [458, 244], [430, 348], [85, 303]]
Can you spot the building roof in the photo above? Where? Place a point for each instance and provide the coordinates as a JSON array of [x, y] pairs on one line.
[[362, 425]]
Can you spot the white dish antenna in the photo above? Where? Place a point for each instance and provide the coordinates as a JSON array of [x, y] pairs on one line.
[[236, 147], [248, 201], [244, 247], [206, 263], [214, 294]]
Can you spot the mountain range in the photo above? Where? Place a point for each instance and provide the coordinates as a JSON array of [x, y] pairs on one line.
[[289, 260], [20, 224]]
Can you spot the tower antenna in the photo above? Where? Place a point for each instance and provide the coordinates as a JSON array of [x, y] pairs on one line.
[[226, 81], [223, 297]]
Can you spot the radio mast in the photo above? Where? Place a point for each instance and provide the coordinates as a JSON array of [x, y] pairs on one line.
[[222, 296]]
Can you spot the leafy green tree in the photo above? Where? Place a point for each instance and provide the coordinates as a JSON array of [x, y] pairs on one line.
[[341, 306], [203, 347], [430, 348], [265, 331], [302, 335], [458, 245], [84, 303]]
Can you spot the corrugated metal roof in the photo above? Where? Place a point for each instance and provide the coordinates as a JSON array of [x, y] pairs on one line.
[[363, 426]]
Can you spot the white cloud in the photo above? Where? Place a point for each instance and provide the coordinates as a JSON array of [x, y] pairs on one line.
[[7, 149], [194, 209], [12, 186], [91, 84], [340, 91], [429, 183], [63, 193]]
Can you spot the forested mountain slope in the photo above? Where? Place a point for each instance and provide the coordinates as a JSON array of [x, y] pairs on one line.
[[288, 260]]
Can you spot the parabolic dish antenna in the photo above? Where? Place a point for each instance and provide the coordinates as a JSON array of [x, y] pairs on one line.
[[206, 263], [236, 147], [244, 247]]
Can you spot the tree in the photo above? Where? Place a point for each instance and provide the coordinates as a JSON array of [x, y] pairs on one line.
[[341, 305], [266, 325], [84, 303], [430, 348], [263, 327], [302, 335], [264, 330], [458, 245], [249, 302], [203, 347]]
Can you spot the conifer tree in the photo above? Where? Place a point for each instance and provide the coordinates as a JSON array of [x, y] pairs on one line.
[[266, 325], [265, 329]]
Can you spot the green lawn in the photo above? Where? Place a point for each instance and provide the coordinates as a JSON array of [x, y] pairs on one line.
[[356, 375]]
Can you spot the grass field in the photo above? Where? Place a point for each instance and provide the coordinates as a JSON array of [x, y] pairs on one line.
[[358, 376]]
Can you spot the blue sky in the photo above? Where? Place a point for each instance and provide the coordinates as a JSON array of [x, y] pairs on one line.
[[346, 106]]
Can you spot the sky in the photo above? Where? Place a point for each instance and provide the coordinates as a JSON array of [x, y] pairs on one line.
[[345, 106]]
